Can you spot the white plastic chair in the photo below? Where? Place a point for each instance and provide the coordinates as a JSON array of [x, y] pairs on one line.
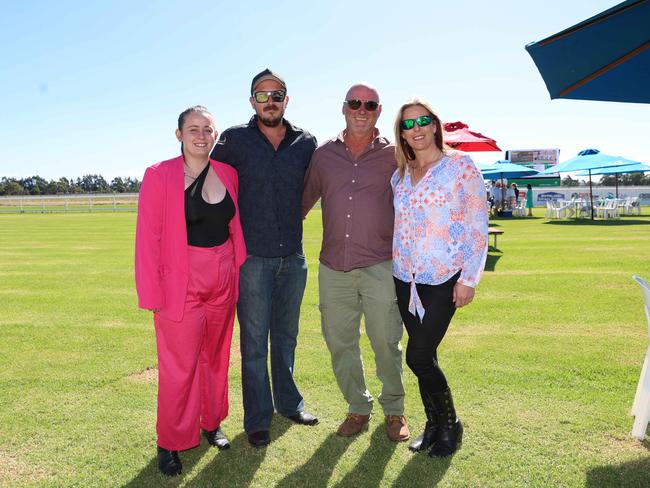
[[612, 210], [584, 209], [567, 207], [554, 210], [609, 209], [549, 210], [520, 208], [641, 406], [599, 208]]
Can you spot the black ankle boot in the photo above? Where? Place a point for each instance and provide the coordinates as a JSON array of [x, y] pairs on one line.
[[169, 462], [450, 430], [426, 439]]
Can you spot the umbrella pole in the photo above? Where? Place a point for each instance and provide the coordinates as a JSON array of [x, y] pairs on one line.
[[616, 180], [503, 195], [591, 197]]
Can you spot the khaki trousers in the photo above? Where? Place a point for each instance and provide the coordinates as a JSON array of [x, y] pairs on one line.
[[344, 297]]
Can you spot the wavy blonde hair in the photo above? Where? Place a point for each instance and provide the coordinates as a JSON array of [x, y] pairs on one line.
[[403, 152]]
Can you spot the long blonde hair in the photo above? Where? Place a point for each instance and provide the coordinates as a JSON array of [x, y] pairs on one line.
[[403, 152]]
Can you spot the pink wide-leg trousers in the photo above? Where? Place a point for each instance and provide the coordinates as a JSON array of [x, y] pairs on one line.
[[194, 353]]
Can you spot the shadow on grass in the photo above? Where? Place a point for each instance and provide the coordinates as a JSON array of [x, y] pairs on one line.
[[604, 223], [633, 473], [150, 476], [423, 471], [317, 471], [370, 468], [236, 465], [491, 261]]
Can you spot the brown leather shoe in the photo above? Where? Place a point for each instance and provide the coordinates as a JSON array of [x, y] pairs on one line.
[[396, 428], [353, 424]]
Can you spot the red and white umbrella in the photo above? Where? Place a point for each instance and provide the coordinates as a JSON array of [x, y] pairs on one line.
[[458, 136]]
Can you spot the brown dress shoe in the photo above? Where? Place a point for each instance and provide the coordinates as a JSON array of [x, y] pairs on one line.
[[396, 428], [353, 424]]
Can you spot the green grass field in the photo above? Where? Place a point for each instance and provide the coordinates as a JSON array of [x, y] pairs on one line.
[[543, 367]]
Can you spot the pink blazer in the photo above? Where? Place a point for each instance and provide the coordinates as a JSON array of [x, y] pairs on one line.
[[161, 269]]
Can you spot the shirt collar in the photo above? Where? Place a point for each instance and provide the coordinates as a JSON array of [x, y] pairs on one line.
[[378, 139]]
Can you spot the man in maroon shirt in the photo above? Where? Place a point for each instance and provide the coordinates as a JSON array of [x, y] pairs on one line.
[[351, 175]]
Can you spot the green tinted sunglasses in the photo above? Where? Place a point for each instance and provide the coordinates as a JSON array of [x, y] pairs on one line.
[[422, 121], [275, 95]]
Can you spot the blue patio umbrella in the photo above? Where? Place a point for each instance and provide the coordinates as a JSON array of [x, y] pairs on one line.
[[590, 160], [606, 57], [505, 169], [617, 170]]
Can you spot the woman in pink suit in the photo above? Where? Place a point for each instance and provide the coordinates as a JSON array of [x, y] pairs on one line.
[[189, 247]]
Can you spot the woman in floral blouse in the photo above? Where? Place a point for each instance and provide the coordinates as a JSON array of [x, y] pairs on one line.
[[439, 251]]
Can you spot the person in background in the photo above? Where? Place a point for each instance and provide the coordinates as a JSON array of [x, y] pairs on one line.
[[516, 189], [498, 197], [271, 156], [351, 174], [490, 189], [529, 199], [188, 249], [439, 252], [510, 196]]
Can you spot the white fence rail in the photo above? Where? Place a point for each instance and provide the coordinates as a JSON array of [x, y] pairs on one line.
[[101, 202], [555, 193], [128, 202]]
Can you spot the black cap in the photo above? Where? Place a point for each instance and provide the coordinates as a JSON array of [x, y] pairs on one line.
[[267, 74]]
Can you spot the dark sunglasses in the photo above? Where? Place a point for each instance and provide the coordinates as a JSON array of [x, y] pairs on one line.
[[422, 121], [263, 96], [369, 105]]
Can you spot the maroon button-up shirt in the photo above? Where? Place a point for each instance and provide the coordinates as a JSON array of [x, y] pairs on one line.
[[356, 200]]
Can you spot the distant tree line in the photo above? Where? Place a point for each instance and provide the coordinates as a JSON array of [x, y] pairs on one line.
[[35, 185], [626, 179]]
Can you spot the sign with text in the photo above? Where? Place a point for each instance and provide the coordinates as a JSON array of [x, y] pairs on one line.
[[547, 196], [539, 159]]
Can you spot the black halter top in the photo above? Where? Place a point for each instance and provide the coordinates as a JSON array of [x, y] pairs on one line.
[[207, 223]]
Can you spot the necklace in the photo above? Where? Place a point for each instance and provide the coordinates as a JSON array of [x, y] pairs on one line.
[[425, 167], [188, 174]]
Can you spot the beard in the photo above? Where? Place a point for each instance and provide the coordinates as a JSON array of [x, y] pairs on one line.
[[271, 120]]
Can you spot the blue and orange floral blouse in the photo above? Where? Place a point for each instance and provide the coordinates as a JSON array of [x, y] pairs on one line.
[[441, 225]]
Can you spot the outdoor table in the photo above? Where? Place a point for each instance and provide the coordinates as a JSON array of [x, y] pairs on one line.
[[493, 231], [567, 205], [577, 206]]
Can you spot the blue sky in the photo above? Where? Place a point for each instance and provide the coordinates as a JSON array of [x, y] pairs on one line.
[[96, 87]]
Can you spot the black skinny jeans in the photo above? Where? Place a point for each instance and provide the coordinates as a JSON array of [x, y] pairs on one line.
[[425, 336]]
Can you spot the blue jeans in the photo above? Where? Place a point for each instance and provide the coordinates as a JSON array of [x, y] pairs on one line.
[[270, 293]]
